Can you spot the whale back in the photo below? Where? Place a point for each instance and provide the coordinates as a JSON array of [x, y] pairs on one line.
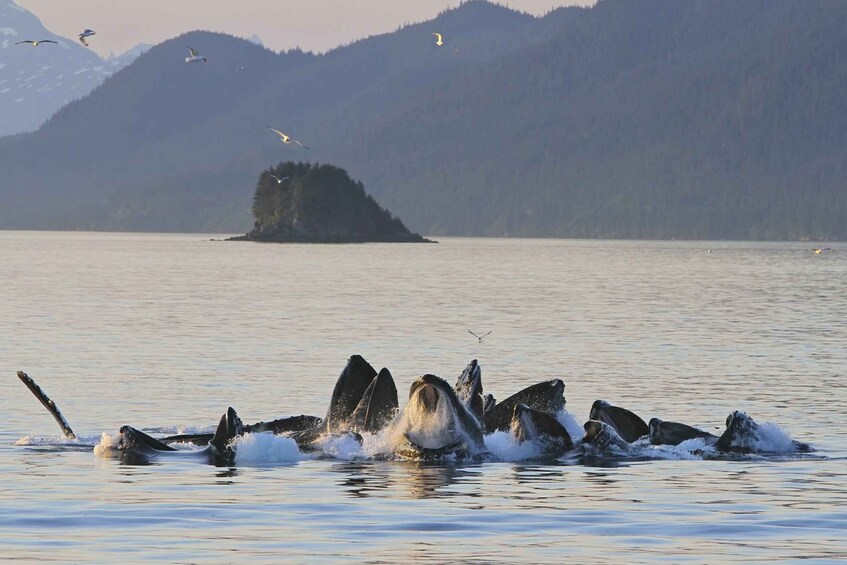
[[546, 396]]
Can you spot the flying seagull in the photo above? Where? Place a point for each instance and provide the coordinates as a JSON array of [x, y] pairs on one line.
[[279, 180], [479, 337], [194, 57], [438, 39], [285, 138], [36, 43], [86, 33]]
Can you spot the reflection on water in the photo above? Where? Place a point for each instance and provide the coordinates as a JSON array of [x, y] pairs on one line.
[[165, 331]]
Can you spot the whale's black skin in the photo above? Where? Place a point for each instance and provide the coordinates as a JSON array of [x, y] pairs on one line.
[[460, 437], [468, 389], [351, 385], [674, 433], [377, 406], [742, 434], [542, 428], [278, 427], [135, 443], [547, 396], [627, 424], [603, 437]]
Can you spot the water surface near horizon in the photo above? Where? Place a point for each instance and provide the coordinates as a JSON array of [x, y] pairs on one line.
[[164, 331]]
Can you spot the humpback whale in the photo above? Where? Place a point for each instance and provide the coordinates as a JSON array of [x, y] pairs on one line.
[[219, 451], [547, 396], [674, 433], [744, 435], [542, 428], [468, 390], [434, 423], [603, 437], [363, 401], [628, 425]]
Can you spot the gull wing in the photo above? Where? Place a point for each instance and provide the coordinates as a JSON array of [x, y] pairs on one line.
[[30, 41], [301, 145], [276, 131], [192, 52], [82, 40], [47, 41], [473, 334], [488, 333], [437, 35]]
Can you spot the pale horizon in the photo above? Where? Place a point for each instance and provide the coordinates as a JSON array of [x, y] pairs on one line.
[[311, 25]]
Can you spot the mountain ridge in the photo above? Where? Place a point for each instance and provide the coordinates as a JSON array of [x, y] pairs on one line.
[[717, 120]]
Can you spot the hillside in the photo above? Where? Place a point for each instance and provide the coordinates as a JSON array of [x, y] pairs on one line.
[[305, 203], [657, 119], [37, 81]]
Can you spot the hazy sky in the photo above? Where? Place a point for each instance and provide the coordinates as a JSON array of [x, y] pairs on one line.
[[313, 25]]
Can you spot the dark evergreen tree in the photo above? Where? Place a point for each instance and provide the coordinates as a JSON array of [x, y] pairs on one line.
[[304, 202]]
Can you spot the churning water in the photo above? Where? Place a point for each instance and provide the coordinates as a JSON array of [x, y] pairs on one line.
[[163, 332]]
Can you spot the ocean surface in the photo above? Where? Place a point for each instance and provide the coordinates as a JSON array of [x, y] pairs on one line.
[[164, 332]]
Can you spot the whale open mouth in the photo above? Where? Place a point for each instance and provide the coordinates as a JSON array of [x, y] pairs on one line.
[[427, 397], [412, 450], [523, 427]]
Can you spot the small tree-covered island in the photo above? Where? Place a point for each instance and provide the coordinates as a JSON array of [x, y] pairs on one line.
[[306, 203]]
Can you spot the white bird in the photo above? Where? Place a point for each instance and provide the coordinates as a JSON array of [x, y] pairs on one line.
[[86, 33], [194, 57], [438, 38], [36, 43], [286, 138], [279, 180], [479, 337]]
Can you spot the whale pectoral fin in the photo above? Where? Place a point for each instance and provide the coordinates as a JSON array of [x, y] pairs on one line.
[[48, 403], [229, 427]]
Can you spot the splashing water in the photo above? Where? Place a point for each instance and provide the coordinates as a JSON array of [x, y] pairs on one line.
[[265, 449], [430, 429]]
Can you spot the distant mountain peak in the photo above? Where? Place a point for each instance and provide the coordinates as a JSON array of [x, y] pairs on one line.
[[37, 82]]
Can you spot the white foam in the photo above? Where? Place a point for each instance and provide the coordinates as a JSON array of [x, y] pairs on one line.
[[573, 427], [770, 438], [56, 441], [504, 447], [683, 451], [108, 444], [265, 449], [344, 447]]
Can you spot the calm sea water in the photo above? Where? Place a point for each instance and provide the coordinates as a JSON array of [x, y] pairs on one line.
[[163, 332]]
